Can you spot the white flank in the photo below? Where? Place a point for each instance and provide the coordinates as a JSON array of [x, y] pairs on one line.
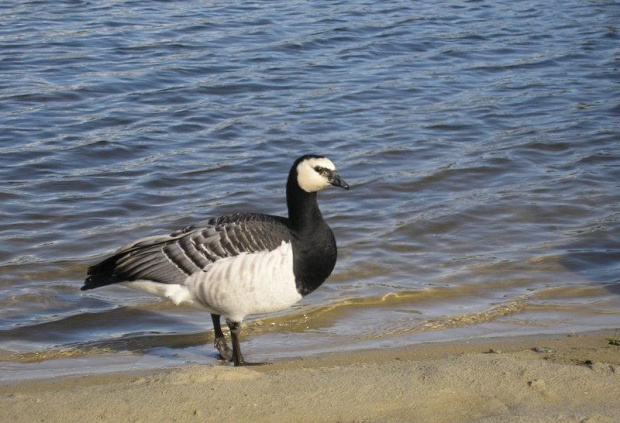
[[309, 179], [250, 283], [234, 287]]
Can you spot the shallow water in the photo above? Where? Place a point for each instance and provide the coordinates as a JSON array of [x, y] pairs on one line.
[[481, 140]]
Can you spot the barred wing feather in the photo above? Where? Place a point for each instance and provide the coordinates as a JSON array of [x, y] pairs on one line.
[[171, 259]]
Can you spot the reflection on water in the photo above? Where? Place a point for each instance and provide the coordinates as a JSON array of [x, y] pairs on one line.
[[481, 141]]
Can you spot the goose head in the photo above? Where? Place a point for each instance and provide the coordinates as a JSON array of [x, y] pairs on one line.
[[315, 173]]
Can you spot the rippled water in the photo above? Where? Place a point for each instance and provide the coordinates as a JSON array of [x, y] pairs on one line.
[[481, 140]]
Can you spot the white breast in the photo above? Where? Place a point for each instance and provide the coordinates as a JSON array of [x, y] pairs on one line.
[[255, 283]]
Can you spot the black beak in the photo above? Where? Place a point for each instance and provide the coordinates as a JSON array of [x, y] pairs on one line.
[[337, 181]]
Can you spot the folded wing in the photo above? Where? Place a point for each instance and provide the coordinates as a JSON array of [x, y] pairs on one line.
[[172, 259]]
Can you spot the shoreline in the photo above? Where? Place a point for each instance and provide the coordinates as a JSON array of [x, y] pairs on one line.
[[570, 378]]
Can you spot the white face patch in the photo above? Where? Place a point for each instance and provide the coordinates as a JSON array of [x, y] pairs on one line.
[[308, 178]]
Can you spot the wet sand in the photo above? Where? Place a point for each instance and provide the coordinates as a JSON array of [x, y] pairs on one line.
[[570, 379]]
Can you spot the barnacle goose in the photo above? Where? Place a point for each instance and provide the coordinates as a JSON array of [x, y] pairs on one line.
[[239, 264]]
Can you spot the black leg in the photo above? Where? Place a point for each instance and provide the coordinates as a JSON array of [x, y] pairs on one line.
[[220, 340], [235, 331]]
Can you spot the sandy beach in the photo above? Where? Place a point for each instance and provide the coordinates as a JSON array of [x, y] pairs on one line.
[[560, 378]]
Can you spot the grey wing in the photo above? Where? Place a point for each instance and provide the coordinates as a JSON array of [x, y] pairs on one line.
[[173, 258]]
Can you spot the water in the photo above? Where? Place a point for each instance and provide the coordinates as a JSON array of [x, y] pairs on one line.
[[481, 140]]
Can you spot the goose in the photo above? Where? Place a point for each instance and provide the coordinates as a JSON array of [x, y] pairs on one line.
[[239, 264]]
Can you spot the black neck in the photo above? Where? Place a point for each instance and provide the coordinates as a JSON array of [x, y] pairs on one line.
[[314, 246], [303, 209]]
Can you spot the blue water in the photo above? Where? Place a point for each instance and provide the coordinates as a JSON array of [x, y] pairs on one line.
[[482, 141]]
